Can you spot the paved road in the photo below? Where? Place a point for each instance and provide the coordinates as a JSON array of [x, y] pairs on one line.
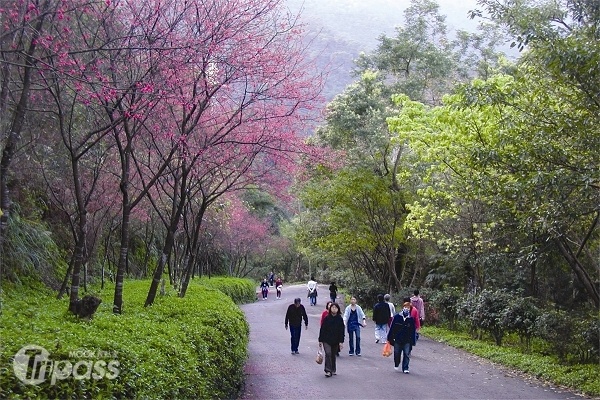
[[437, 371]]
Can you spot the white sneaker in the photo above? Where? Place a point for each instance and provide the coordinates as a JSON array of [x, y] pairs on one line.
[[405, 371], [397, 368]]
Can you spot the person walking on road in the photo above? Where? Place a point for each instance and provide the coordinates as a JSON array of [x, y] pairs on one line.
[[271, 278], [264, 288], [293, 317], [418, 303], [333, 292], [413, 313], [388, 299], [354, 318], [311, 288], [402, 337], [381, 317], [331, 338], [278, 287], [325, 312]]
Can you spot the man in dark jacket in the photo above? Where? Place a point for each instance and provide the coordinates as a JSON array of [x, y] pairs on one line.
[[402, 337], [293, 317], [381, 317]]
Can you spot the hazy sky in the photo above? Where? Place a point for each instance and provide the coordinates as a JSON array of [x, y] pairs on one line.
[[367, 19]]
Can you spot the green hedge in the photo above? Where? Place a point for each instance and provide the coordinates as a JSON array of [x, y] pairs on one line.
[[193, 347], [240, 290]]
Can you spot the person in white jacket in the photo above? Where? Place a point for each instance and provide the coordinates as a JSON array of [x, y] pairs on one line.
[[311, 288], [354, 318]]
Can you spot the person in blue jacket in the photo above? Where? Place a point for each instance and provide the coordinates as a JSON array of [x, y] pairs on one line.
[[402, 337]]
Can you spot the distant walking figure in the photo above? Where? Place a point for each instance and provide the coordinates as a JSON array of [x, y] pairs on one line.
[[264, 288], [388, 299], [311, 288], [333, 292], [278, 287], [418, 303]]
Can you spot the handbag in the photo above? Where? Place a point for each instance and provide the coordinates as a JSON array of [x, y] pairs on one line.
[[319, 358], [387, 349]]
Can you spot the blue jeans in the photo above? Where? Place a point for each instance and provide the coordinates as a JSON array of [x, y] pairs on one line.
[[381, 332], [295, 332], [351, 333], [313, 300], [399, 350]]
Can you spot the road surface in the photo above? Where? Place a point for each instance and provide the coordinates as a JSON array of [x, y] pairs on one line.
[[437, 371]]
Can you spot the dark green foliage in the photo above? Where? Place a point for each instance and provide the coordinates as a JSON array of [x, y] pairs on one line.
[[240, 290], [489, 311], [446, 304], [520, 316], [591, 338], [569, 336], [365, 293], [557, 328], [192, 347], [583, 378], [30, 251]]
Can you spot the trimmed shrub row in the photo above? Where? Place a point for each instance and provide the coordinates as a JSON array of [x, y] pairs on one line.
[[193, 347]]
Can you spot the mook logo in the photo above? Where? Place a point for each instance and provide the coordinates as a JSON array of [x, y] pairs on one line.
[[33, 366]]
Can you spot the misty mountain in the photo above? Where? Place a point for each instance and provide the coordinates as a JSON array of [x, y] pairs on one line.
[[339, 30]]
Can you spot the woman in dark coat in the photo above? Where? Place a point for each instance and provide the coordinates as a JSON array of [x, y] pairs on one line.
[[331, 337]]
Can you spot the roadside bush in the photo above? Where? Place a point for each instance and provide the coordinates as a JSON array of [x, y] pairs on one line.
[[488, 314], [557, 328], [583, 378], [520, 316], [591, 338], [365, 293], [192, 347], [465, 309], [445, 304], [240, 290]]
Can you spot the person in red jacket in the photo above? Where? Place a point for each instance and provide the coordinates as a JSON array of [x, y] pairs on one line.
[[325, 311], [415, 314]]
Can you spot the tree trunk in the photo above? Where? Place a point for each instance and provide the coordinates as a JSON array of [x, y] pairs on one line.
[[78, 257], [160, 268], [16, 127], [193, 250], [176, 213], [80, 251], [123, 253], [579, 270], [122, 266], [65, 282]]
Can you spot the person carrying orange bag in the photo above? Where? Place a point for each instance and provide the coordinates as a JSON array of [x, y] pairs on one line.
[[387, 349]]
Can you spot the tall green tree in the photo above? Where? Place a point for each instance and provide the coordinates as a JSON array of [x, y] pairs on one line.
[[524, 149], [361, 221]]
